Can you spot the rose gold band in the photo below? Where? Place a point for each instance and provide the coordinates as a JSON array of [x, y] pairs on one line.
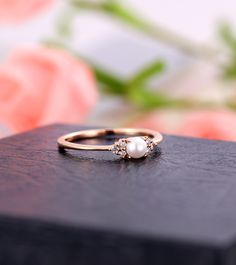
[[67, 141]]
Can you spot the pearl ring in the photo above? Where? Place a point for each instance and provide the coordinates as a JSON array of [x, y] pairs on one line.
[[139, 143]]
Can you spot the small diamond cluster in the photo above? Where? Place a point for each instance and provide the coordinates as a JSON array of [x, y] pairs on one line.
[[150, 144], [119, 147]]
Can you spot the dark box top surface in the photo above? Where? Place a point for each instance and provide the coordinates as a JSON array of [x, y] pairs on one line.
[[188, 192]]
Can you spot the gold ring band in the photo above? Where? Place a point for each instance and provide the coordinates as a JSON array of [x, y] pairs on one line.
[[139, 143]]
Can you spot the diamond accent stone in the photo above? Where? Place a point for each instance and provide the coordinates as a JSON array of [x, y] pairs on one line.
[[119, 148], [150, 144]]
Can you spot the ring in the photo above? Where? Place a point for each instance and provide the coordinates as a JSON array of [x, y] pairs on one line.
[[139, 143]]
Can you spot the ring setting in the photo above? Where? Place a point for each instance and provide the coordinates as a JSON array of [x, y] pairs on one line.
[[133, 147], [138, 143]]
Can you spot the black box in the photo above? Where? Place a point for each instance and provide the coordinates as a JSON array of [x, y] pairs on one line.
[[176, 207]]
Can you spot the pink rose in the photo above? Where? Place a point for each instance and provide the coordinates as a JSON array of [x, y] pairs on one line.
[[218, 125], [41, 85], [19, 10]]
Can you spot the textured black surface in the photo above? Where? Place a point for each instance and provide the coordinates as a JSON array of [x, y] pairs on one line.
[[175, 207]]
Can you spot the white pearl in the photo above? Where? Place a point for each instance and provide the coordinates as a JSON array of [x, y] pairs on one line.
[[136, 147]]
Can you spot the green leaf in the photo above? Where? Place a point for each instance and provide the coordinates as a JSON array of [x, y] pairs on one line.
[[147, 99], [110, 82], [154, 68], [230, 71], [228, 36]]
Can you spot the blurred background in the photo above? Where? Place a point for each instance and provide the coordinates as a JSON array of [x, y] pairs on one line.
[[165, 65]]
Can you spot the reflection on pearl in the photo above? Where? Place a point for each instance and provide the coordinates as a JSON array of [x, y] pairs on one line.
[[136, 147]]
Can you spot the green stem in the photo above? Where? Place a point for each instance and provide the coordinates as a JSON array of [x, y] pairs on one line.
[[140, 96], [148, 71], [125, 15]]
